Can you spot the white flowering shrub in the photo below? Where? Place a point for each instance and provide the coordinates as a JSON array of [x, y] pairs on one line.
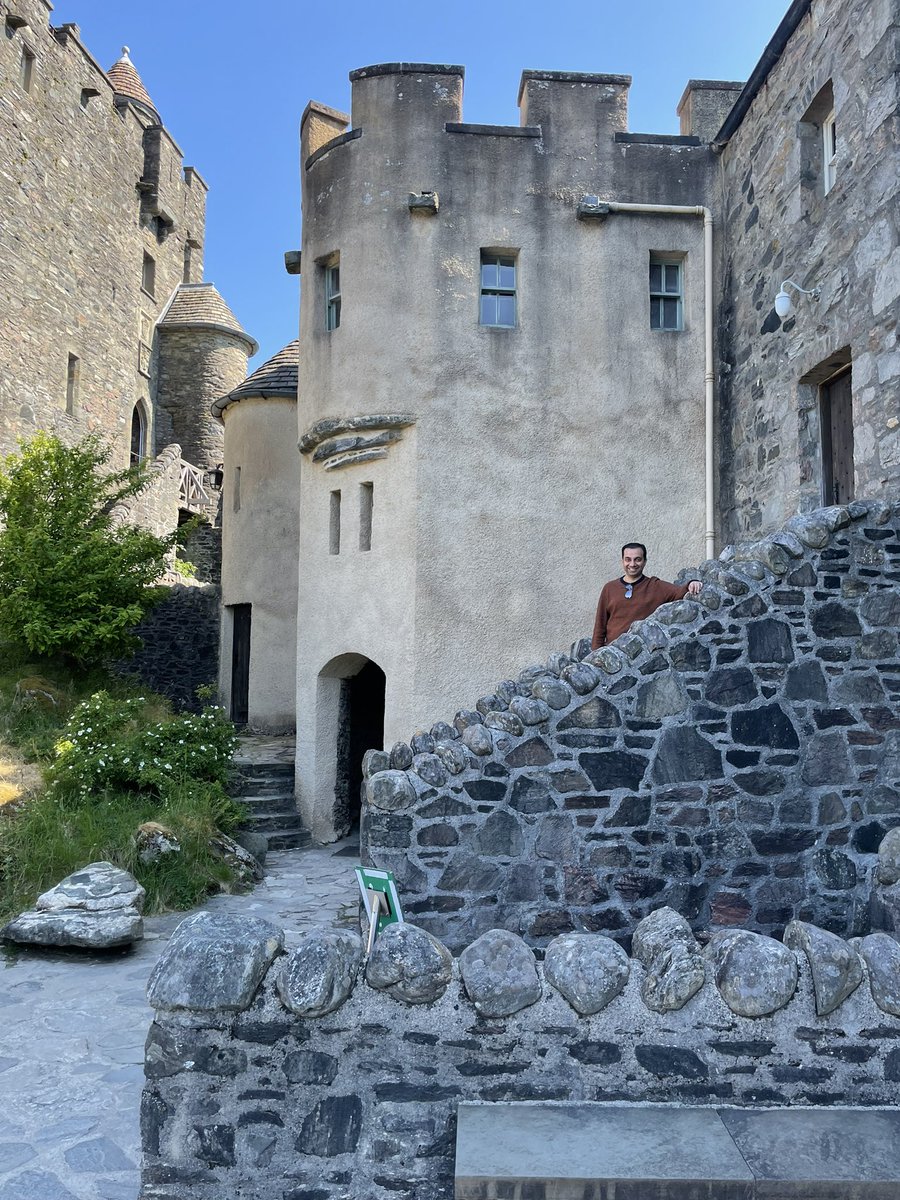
[[107, 746]]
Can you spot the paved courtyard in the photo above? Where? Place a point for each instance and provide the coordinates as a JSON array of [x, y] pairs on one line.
[[72, 1030]]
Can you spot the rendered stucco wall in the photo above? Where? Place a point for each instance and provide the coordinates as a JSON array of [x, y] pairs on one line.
[[259, 550], [536, 451]]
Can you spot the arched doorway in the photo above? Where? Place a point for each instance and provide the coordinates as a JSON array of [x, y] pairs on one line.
[[349, 721]]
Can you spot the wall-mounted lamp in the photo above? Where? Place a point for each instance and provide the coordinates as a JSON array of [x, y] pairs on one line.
[[784, 305]]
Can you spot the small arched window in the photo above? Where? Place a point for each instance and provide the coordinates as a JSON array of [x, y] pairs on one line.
[[138, 434]]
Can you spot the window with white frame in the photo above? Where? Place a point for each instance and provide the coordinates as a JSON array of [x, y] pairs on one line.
[[333, 294], [666, 293], [829, 151], [498, 290]]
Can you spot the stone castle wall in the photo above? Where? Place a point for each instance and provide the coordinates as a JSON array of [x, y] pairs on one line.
[[187, 617], [155, 507], [737, 757], [74, 233], [290, 1078], [196, 367], [777, 224]]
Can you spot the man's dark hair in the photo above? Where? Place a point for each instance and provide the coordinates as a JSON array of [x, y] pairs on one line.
[[635, 546]]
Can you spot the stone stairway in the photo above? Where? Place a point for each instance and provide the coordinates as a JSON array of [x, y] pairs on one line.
[[262, 778]]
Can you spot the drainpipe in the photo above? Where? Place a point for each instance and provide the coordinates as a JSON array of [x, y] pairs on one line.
[[687, 210]]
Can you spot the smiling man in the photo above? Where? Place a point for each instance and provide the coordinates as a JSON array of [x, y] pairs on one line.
[[633, 596]]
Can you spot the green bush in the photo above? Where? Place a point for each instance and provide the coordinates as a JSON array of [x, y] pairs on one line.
[[108, 745], [72, 582]]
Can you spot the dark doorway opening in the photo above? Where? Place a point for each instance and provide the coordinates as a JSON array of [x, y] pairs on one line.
[[240, 663], [836, 400], [360, 728]]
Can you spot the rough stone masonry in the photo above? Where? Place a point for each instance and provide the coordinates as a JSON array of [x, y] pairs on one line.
[[736, 757], [305, 1077]]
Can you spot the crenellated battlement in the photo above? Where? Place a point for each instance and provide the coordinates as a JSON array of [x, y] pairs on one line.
[[571, 111]]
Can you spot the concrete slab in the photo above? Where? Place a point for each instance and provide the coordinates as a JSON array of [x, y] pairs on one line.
[[525, 1151]]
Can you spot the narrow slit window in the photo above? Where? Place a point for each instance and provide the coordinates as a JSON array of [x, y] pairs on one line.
[[334, 523], [333, 295], [26, 69], [236, 491], [829, 151], [366, 502], [498, 290], [73, 378], [666, 294], [186, 268], [148, 274], [138, 435]]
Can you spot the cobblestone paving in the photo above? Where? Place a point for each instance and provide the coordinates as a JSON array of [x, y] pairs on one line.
[[72, 1030]]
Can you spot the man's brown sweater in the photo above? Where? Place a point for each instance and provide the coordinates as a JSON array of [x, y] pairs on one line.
[[615, 614]]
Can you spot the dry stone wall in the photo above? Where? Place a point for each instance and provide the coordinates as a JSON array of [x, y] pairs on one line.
[[736, 757], [306, 1076]]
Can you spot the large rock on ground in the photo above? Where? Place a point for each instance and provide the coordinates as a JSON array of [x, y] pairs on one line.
[[318, 976], [499, 974], [96, 908], [409, 964], [213, 962], [881, 954], [755, 975], [588, 969], [835, 966], [247, 869], [668, 951]]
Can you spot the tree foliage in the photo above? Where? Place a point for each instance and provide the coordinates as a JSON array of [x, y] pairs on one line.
[[72, 581]]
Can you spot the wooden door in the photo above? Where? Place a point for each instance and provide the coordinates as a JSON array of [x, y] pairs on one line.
[[837, 439], [240, 663]]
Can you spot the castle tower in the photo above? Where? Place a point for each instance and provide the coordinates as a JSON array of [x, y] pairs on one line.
[[203, 352], [128, 87], [260, 532]]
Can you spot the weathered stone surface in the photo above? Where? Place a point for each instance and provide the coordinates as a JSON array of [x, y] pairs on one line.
[[430, 769], [882, 608], [596, 713], [153, 841], [499, 974], [683, 755], [552, 691], [835, 966], [375, 761], [663, 696], [529, 711], [76, 928], [613, 769], [507, 722], [668, 951], [214, 962], [452, 755], [477, 739], [409, 964], [767, 725], [97, 887], [755, 975], [390, 791], [421, 742], [401, 756], [244, 865], [731, 685], [581, 677], [881, 954], [889, 857], [557, 840], [608, 659], [98, 908], [586, 968], [769, 641], [500, 835], [333, 1127], [318, 976], [810, 529]]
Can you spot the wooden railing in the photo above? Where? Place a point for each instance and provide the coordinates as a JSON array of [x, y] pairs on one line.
[[192, 493]]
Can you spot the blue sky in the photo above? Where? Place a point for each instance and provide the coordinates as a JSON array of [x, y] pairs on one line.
[[231, 80]]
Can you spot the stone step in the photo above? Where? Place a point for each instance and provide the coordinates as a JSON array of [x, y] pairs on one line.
[[240, 785], [288, 839], [277, 802], [275, 770], [261, 820], [663, 1152]]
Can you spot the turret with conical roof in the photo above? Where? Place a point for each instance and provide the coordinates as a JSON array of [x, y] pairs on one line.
[[203, 352], [128, 87]]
